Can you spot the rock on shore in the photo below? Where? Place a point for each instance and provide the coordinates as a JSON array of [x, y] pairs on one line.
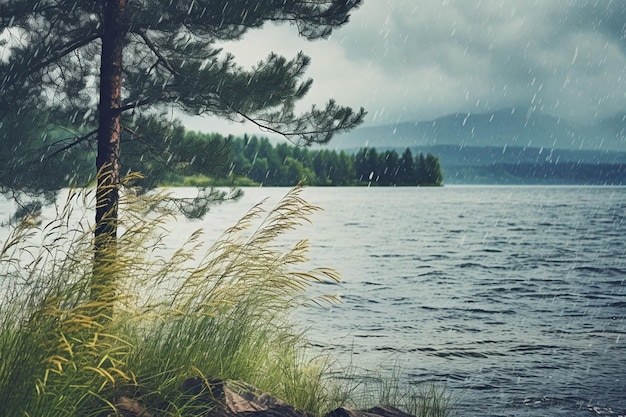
[[226, 398]]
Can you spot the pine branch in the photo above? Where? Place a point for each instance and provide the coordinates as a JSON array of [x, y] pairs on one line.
[[78, 140], [154, 48], [344, 124], [33, 68], [133, 105]]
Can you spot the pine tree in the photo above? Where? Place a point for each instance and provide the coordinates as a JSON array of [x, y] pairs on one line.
[[406, 170], [433, 170], [138, 57]]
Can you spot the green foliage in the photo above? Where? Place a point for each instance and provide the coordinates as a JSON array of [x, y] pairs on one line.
[[51, 71], [388, 168], [164, 152], [216, 312], [34, 156], [285, 165]]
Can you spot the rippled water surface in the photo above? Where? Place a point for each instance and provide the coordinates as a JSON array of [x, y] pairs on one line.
[[514, 298]]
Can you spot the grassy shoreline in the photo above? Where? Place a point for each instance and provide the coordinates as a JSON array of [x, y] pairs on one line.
[[204, 181], [211, 310]]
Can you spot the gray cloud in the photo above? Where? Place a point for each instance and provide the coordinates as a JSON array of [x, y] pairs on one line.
[[407, 60]]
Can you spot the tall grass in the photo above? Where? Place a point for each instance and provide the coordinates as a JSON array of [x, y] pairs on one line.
[[204, 311], [208, 311], [421, 399]]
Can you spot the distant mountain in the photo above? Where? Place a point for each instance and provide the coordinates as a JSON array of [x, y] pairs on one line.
[[489, 155], [514, 127], [509, 146]]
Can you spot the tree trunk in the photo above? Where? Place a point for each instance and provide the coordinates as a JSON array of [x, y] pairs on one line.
[[107, 160]]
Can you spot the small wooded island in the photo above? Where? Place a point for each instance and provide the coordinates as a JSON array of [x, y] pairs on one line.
[[285, 165], [256, 161]]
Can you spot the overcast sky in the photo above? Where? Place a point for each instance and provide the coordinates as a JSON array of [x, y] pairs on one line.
[[416, 60]]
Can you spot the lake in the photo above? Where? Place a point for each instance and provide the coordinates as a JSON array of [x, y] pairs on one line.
[[513, 298]]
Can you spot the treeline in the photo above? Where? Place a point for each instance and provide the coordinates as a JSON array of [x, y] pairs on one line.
[[285, 165], [175, 156]]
